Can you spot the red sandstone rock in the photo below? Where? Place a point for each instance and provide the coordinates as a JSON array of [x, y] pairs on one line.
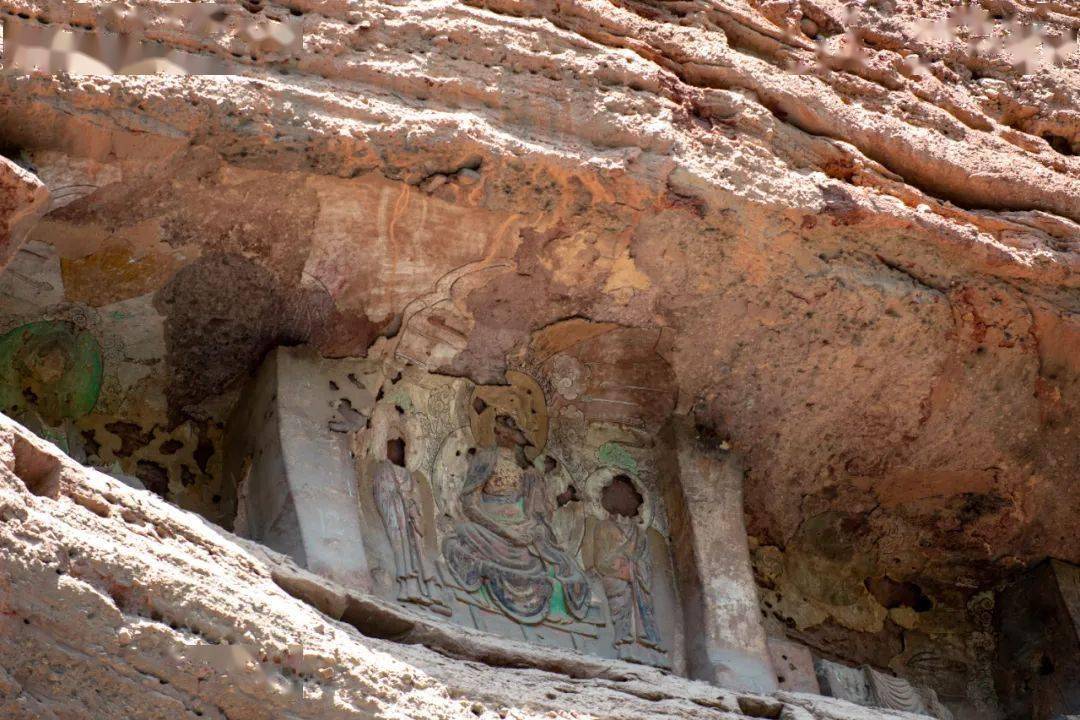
[[861, 277], [23, 199]]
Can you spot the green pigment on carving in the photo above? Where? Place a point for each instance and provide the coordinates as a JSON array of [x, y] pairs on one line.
[[50, 368], [557, 607], [402, 400], [615, 455]]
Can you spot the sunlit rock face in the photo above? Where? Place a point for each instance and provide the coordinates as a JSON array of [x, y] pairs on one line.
[[854, 272]]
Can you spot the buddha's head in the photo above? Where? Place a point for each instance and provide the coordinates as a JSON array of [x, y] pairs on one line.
[[506, 477]]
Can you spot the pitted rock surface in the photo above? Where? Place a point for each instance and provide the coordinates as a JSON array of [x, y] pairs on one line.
[[862, 278]]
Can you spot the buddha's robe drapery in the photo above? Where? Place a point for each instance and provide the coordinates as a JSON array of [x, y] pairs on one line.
[[506, 547]]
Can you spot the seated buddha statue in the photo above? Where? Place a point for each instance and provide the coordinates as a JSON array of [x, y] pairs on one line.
[[504, 546]]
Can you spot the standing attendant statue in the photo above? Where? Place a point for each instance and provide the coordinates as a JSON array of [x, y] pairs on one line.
[[395, 496], [619, 555]]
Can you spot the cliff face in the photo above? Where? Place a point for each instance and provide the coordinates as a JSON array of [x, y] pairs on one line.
[[859, 265]]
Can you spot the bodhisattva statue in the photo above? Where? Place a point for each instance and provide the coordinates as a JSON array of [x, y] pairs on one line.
[[505, 547], [622, 562], [395, 496]]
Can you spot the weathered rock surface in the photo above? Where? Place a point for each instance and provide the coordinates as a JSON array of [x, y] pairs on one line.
[[23, 199], [114, 603], [861, 277]]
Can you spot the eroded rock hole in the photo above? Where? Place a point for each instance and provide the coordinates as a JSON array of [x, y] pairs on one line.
[[395, 451], [351, 418], [569, 495], [620, 497], [132, 437], [90, 442], [892, 594], [204, 450], [119, 596], [479, 406], [1046, 665], [187, 477], [37, 469], [1061, 144], [509, 435], [153, 476], [171, 446]]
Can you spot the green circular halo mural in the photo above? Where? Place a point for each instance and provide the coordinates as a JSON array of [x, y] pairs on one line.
[[51, 368]]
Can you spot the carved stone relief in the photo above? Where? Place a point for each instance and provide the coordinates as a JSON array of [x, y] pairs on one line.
[[505, 549], [844, 682], [436, 326], [617, 551], [396, 499], [866, 686], [899, 694], [477, 508], [536, 509]]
